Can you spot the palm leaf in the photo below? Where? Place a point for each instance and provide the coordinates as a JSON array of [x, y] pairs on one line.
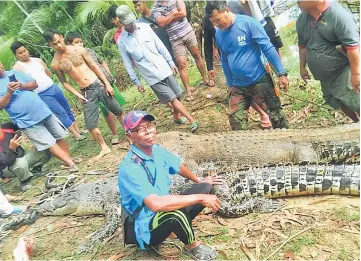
[[85, 12], [39, 17], [6, 56]]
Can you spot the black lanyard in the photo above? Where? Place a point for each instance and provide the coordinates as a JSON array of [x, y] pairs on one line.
[[137, 159]]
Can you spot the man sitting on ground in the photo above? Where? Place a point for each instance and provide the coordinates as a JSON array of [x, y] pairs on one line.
[[33, 116], [139, 43], [144, 181], [76, 62], [13, 163]]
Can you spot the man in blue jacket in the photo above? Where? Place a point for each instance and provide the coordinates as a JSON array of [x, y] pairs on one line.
[[241, 39]]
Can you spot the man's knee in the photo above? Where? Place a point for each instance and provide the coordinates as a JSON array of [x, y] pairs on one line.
[[20, 164], [182, 62], [196, 55], [206, 188]]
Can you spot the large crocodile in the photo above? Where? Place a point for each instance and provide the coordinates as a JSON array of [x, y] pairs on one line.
[[244, 191], [261, 147]]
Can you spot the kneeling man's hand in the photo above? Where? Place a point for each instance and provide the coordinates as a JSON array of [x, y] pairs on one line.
[[15, 142], [214, 180], [211, 201]]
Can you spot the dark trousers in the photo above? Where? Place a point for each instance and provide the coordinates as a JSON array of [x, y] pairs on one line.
[[178, 221]]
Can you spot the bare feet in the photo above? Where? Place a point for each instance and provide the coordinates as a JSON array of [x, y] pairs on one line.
[[265, 122], [102, 153]]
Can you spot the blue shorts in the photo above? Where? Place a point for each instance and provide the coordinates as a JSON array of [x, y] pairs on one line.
[[56, 101]]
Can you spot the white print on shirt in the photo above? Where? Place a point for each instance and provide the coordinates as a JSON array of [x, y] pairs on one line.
[[242, 40]]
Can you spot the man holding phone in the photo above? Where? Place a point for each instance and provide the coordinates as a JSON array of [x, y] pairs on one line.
[[14, 162], [32, 116]]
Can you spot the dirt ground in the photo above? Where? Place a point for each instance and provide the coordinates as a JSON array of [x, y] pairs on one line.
[[313, 227]]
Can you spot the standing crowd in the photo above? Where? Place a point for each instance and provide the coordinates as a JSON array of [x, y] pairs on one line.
[[241, 34]]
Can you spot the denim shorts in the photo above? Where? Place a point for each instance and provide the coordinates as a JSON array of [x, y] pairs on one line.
[[44, 134]]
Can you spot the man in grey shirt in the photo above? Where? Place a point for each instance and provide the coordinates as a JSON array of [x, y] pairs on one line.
[[139, 43], [321, 27]]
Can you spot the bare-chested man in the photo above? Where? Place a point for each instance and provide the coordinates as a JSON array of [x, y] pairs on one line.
[[76, 62]]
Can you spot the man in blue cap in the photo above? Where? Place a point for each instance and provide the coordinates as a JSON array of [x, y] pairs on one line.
[[144, 182]]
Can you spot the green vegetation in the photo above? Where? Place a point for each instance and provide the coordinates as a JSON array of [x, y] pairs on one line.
[[298, 243], [348, 215]]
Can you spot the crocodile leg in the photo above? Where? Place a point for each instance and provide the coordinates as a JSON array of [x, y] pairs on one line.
[[249, 205], [113, 221], [26, 218]]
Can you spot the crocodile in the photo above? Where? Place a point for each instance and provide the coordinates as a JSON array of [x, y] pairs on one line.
[[261, 147], [244, 191]]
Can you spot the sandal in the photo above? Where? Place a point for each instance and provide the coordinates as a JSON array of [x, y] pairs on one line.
[[181, 121], [189, 98], [115, 140], [210, 83], [193, 127], [201, 252]]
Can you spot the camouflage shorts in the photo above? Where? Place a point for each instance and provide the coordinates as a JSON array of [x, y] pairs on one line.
[[262, 93]]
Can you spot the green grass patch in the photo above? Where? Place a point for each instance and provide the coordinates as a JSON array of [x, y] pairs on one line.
[[345, 254], [347, 214], [296, 244]]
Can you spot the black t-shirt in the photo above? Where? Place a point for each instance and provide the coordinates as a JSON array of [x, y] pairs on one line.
[[8, 156]]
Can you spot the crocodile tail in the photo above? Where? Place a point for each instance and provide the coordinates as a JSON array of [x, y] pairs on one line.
[[296, 180], [25, 218]]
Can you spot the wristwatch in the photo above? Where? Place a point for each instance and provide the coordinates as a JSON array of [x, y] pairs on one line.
[[283, 74]]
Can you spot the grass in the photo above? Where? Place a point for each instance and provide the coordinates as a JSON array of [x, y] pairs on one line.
[[345, 254], [347, 215], [298, 243]]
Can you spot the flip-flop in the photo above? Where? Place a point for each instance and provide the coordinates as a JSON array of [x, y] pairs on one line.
[[181, 121], [193, 127], [201, 252], [210, 83], [189, 98]]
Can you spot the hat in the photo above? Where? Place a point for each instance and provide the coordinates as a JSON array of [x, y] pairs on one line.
[[125, 15], [133, 118]]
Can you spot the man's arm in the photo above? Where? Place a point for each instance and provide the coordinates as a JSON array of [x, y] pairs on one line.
[[182, 11], [346, 30], [302, 51], [161, 20], [353, 56], [8, 158], [173, 202], [128, 65], [29, 86], [59, 73], [209, 33], [260, 37], [226, 69]]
